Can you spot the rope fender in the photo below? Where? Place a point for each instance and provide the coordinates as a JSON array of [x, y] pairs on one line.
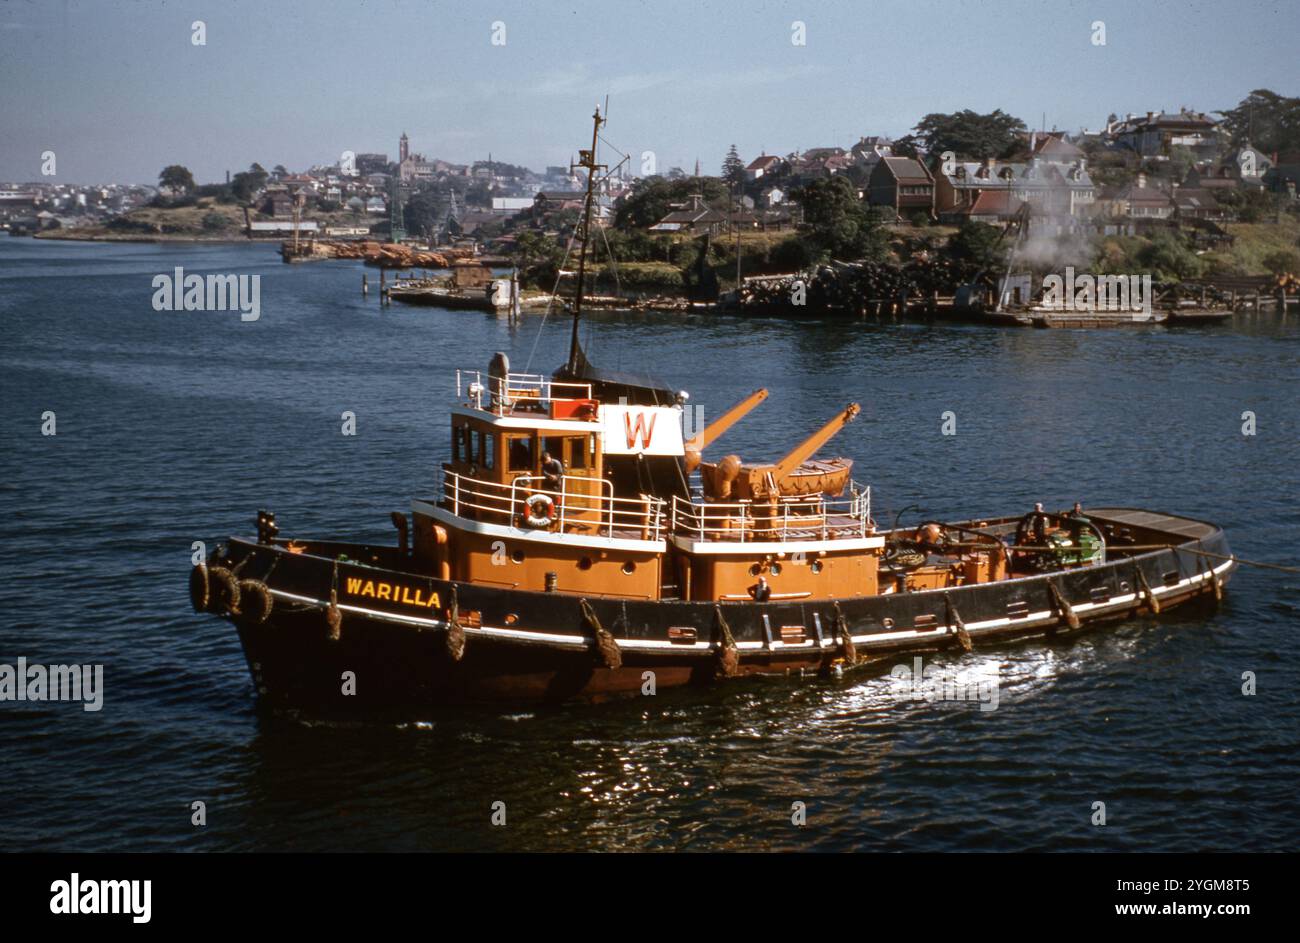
[[606, 645], [1068, 615], [225, 591], [333, 615], [200, 588], [954, 619], [255, 603], [1145, 587], [454, 640], [727, 654], [846, 638], [1215, 584]]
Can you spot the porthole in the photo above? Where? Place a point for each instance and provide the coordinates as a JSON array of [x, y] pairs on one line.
[[629, 567], [1123, 586], [511, 618], [517, 555], [815, 566], [775, 569], [887, 622], [584, 563], [755, 569]]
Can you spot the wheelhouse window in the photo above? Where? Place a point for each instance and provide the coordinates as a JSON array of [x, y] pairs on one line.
[[483, 447], [521, 453], [555, 445], [579, 449]]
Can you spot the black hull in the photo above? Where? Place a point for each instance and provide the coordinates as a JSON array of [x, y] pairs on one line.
[[522, 646]]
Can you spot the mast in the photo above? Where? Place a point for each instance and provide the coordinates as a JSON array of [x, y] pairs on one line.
[[586, 159]]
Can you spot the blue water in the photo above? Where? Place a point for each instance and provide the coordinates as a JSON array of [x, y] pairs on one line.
[[176, 427]]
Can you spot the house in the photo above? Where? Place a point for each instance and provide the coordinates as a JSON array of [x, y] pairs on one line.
[[868, 151], [822, 153], [1242, 167], [510, 205], [694, 218], [1190, 203], [1210, 177], [1248, 164], [986, 206], [1054, 189], [763, 165], [553, 201], [818, 162], [278, 203], [1055, 149], [415, 167], [376, 204], [1135, 201], [1284, 176], [902, 183], [1157, 133], [371, 163], [771, 196], [470, 222]]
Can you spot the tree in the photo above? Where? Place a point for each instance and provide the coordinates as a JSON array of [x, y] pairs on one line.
[[1267, 120], [1181, 160], [908, 146], [280, 171], [733, 168], [1282, 262], [176, 178], [977, 246], [651, 198], [426, 211], [246, 184], [538, 258], [1249, 205], [1169, 258], [836, 221], [968, 134]]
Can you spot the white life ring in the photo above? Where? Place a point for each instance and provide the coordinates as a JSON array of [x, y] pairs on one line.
[[541, 511]]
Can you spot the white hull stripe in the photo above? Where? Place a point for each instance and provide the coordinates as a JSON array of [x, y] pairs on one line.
[[1040, 617]]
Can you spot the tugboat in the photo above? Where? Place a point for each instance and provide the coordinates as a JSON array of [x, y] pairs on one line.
[[579, 544]]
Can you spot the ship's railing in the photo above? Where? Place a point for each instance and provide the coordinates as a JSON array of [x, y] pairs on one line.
[[789, 518], [504, 394], [574, 507]]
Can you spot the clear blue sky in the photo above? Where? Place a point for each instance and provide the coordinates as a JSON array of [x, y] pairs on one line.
[[117, 90]]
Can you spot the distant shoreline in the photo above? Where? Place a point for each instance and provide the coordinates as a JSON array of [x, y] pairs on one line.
[[73, 236]]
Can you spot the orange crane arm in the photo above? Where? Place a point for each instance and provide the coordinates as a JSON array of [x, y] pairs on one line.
[[724, 422], [805, 449]]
